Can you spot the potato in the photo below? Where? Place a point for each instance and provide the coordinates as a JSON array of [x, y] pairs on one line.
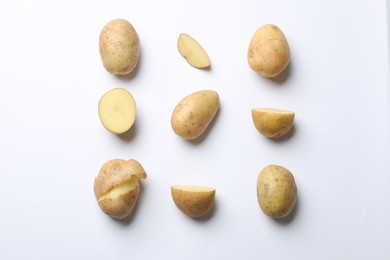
[[116, 187], [268, 52], [271, 122], [194, 113], [192, 51], [194, 201], [119, 47], [117, 110], [276, 191]]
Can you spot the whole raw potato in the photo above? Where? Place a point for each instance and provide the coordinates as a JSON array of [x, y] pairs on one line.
[[194, 113], [268, 52], [276, 191], [119, 47]]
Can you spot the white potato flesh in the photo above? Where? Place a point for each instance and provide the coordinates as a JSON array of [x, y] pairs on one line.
[[192, 51], [117, 110]]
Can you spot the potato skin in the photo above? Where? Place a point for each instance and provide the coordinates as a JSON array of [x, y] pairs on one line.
[[121, 206], [119, 46], [193, 204], [271, 123], [113, 174], [276, 191], [193, 113], [268, 52]]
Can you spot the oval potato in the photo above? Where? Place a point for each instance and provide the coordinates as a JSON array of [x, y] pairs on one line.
[[276, 191], [268, 52], [119, 46], [194, 113]]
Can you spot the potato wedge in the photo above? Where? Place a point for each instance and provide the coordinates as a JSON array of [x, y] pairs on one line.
[[192, 51]]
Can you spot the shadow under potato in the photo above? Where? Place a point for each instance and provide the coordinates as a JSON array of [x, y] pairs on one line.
[[208, 215], [285, 137], [130, 218], [282, 77], [129, 134], [133, 73], [290, 217]]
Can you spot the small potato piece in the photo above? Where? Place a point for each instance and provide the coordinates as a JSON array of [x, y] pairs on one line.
[[276, 191], [192, 51], [268, 52], [116, 187], [119, 47], [194, 113], [271, 122], [117, 110], [194, 201]]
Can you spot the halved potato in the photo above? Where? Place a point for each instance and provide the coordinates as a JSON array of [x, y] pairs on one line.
[[271, 122], [116, 187], [194, 201], [117, 110], [192, 51]]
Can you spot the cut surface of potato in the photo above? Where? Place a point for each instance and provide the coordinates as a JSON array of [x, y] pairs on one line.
[[192, 51], [271, 122], [116, 187], [117, 110], [194, 201]]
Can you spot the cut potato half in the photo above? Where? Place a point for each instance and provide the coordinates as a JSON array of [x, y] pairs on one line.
[[194, 201], [117, 110], [192, 51], [271, 122]]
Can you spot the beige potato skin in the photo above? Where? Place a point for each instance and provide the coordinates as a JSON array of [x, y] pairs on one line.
[[193, 113], [268, 52], [193, 204], [271, 122], [119, 47], [113, 174], [276, 191], [122, 206]]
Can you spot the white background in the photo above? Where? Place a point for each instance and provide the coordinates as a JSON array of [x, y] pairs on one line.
[[52, 143]]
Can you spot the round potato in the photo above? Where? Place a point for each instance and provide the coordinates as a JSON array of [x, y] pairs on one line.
[[276, 191], [117, 110], [194, 113], [194, 201], [116, 187], [268, 52], [119, 47]]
